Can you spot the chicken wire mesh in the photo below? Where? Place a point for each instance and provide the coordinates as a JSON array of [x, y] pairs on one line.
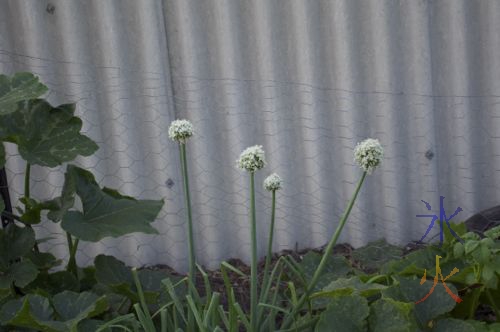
[[306, 80]]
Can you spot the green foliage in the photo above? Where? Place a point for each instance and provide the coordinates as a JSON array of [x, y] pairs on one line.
[[115, 275], [388, 315], [336, 266], [62, 314], [105, 211], [45, 135], [375, 254], [343, 286], [15, 267], [32, 296], [410, 290], [19, 87], [344, 313]]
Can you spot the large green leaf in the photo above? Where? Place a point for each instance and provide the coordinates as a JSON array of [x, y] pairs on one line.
[[106, 212], [46, 135], [409, 290], [35, 311], [53, 283], [374, 254], [388, 315], [74, 307], [413, 263], [20, 86], [19, 273], [344, 313], [32, 311], [114, 274], [336, 266], [43, 260], [15, 242], [456, 325], [346, 286]]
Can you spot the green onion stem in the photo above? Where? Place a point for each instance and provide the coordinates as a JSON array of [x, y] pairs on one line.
[[192, 259], [253, 267], [27, 176], [326, 255]]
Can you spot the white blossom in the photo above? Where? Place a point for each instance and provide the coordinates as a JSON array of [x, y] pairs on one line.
[[368, 154], [272, 182], [180, 130], [252, 159]]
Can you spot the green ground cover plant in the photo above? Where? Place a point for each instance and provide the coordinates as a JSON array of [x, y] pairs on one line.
[[374, 288]]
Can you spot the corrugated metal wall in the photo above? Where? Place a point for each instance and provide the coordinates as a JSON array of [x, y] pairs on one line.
[[306, 79]]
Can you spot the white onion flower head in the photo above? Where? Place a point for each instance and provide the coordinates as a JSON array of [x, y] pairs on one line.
[[368, 154], [272, 182], [252, 159], [180, 130]]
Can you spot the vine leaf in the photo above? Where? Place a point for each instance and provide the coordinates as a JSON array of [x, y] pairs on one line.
[[344, 313], [105, 211], [19, 87], [46, 135], [15, 244], [36, 312]]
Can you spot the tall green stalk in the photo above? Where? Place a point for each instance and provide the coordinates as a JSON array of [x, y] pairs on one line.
[[72, 247], [270, 243], [27, 177], [326, 255], [253, 266], [192, 259]]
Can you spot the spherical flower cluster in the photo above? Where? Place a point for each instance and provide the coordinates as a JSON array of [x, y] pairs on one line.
[[368, 154], [272, 182], [252, 159], [180, 130]]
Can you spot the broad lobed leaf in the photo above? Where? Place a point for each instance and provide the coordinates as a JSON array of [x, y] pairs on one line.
[[20, 86], [46, 135], [107, 213]]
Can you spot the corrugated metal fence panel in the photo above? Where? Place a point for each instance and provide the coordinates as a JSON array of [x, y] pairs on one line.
[[306, 79]]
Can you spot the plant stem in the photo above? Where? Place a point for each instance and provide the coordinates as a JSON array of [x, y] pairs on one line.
[[192, 259], [27, 176], [72, 246], [269, 244], [326, 255], [253, 267], [70, 243]]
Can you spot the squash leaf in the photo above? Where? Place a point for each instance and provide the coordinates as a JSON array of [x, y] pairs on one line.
[[105, 211], [46, 135]]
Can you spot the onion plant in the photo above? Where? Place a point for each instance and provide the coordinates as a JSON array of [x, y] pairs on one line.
[[180, 131], [251, 160], [272, 183], [368, 155]]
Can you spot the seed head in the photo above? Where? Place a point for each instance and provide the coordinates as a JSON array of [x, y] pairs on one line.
[[272, 182], [180, 130], [252, 159], [368, 154]]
